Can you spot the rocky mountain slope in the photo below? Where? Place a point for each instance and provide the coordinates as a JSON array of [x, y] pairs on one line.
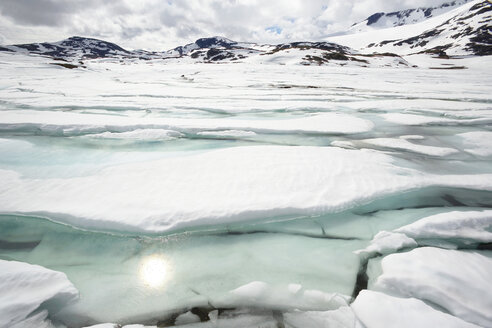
[[403, 17], [75, 46], [467, 32], [462, 31]]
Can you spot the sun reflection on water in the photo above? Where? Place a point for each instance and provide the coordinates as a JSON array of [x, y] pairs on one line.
[[154, 271]]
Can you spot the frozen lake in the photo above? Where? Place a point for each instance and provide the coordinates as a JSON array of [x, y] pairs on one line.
[[271, 193]]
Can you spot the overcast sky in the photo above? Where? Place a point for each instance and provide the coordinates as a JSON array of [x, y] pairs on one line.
[[165, 24]]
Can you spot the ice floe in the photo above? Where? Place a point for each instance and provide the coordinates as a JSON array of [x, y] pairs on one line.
[[228, 185], [449, 229], [70, 123], [404, 144], [453, 280], [28, 293], [471, 226]]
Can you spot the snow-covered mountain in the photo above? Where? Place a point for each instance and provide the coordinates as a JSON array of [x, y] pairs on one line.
[[216, 42], [403, 17], [216, 48], [467, 32], [464, 30], [213, 49], [74, 46], [307, 53]]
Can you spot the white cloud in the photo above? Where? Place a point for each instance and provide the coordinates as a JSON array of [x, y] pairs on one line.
[[164, 24]]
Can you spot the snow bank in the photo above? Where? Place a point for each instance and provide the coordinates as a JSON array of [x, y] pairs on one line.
[[25, 289]]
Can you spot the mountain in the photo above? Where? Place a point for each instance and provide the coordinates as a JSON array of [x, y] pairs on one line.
[[218, 49], [213, 42], [75, 46], [403, 17], [467, 32], [78, 48], [462, 31], [215, 48]]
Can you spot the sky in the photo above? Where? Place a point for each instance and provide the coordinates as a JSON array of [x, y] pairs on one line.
[[165, 24]]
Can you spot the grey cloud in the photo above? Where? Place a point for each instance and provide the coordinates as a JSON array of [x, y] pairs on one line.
[[170, 19], [155, 24], [187, 31], [43, 12], [55, 12], [131, 32]]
